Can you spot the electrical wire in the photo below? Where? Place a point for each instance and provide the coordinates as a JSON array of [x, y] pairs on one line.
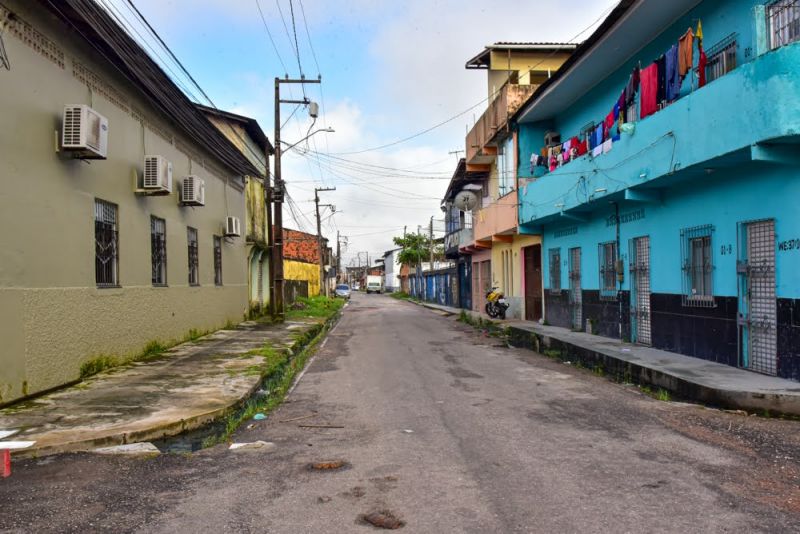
[[271, 40]]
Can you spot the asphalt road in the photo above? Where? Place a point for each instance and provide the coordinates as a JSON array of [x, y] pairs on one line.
[[450, 431]]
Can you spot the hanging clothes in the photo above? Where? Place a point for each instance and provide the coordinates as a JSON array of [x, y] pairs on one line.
[[598, 136], [621, 106], [608, 125], [614, 133], [699, 32], [661, 87], [701, 68], [632, 87], [672, 80], [649, 88], [685, 53]]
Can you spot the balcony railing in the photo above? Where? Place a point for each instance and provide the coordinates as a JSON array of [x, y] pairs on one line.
[[455, 239], [508, 100], [664, 147], [497, 218]]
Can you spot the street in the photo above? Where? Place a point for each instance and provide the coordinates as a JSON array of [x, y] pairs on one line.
[[449, 430]]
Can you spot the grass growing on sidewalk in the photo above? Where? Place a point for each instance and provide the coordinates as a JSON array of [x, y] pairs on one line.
[[401, 295], [319, 306], [280, 367]]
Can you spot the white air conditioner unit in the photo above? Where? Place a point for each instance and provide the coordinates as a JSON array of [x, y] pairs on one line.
[[157, 174], [84, 132], [193, 191], [233, 227]]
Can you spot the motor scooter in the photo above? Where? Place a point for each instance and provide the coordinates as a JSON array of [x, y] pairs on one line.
[[496, 304]]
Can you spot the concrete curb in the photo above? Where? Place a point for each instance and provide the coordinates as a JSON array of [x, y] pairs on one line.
[[177, 427], [623, 366], [617, 366]]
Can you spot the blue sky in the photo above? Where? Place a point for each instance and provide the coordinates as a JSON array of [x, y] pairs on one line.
[[389, 70]]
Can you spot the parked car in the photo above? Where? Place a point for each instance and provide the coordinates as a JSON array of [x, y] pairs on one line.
[[343, 291]]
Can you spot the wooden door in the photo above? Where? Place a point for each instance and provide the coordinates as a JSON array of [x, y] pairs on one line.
[[533, 282]]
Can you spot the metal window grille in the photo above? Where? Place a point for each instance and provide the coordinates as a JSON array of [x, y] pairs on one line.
[[555, 270], [721, 58], [760, 306], [607, 253], [106, 239], [697, 263], [639, 268], [783, 19], [158, 249], [194, 261], [218, 263], [575, 297]]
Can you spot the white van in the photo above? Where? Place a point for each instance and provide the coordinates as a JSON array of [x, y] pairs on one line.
[[374, 284]]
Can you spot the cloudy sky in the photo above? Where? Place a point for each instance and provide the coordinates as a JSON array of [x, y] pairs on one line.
[[390, 70]]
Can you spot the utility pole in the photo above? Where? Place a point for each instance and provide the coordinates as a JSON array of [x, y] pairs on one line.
[[277, 197], [430, 244], [323, 288], [338, 258]]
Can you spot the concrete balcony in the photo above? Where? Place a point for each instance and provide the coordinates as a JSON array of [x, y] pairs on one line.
[[480, 150], [454, 240], [495, 221], [749, 116]]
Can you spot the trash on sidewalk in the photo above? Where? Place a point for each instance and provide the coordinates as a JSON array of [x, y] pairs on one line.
[[328, 465], [7, 433], [5, 454], [383, 519], [144, 448], [252, 446], [259, 417], [408, 431], [320, 426]]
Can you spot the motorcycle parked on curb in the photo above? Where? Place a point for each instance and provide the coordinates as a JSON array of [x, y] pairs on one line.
[[496, 304]]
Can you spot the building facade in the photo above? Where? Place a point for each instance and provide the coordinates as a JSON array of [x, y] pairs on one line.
[[391, 263], [93, 263], [301, 264], [672, 223], [501, 257], [248, 137]]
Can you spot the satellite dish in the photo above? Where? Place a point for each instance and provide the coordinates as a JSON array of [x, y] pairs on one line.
[[466, 200]]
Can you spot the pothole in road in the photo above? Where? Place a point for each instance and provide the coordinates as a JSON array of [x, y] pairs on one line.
[[328, 465], [384, 519]]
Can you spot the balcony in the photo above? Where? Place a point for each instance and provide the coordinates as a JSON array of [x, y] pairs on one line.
[[508, 101], [456, 239], [495, 220], [751, 114]]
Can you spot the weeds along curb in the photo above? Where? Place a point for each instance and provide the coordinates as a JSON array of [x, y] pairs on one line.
[[276, 383]]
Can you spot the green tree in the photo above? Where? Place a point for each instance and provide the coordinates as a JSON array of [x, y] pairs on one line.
[[416, 248]]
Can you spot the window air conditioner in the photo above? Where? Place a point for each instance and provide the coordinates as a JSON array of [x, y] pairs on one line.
[[157, 174], [193, 191], [84, 132], [233, 227]]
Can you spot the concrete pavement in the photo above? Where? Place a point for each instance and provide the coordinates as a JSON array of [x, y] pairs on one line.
[[450, 431], [186, 387]]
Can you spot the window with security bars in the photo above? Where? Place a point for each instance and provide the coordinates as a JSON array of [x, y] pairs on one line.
[[607, 253], [218, 261], [698, 265], [783, 19], [158, 250], [555, 270], [106, 244], [194, 260], [721, 58]]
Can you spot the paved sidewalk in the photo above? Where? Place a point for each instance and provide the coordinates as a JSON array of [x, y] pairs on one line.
[[689, 378], [187, 387]]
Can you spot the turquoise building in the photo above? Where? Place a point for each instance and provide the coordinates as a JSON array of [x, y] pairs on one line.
[[679, 226]]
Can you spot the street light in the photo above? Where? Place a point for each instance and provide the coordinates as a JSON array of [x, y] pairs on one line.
[[289, 147]]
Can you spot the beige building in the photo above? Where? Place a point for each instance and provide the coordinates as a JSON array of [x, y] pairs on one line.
[[249, 138], [92, 263]]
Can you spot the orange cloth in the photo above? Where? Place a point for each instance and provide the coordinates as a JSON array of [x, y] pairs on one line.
[[685, 53]]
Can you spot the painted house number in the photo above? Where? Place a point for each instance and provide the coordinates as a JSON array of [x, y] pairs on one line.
[[726, 250], [791, 244]]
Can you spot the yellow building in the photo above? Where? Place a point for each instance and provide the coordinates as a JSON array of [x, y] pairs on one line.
[[500, 256], [120, 201]]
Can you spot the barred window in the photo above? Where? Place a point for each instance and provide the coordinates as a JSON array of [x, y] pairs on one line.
[[158, 250], [194, 261], [218, 260], [784, 22], [106, 244], [607, 253], [721, 58], [555, 270], [698, 265]]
